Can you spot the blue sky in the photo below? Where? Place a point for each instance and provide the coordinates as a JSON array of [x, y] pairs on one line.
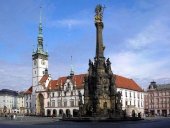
[[136, 35]]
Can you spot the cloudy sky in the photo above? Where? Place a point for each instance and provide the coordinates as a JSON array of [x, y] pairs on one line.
[[136, 35]]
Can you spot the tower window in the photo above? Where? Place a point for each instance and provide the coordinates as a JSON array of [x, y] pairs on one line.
[[126, 103], [35, 72], [43, 72]]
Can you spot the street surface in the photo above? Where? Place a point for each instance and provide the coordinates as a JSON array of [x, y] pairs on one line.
[[45, 122]]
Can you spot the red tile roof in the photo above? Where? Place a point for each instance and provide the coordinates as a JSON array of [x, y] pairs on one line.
[[126, 83], [53, 84], [79, 80], [29, 91], [121, 82], [43, 79], [62, 80]]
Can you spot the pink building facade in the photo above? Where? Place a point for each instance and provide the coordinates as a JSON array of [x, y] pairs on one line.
[[157, 100]]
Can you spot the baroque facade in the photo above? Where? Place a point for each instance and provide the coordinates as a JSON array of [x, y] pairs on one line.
[[62, 96], [157, 99]]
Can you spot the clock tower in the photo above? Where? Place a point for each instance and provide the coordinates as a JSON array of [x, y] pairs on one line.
[[39, 64]]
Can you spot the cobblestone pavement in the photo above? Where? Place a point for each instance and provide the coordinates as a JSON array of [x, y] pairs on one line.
[[45, 122]]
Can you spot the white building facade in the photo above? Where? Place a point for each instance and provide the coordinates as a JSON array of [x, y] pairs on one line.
[[132, 100], [62, 96], [21, 103], [8, 100]]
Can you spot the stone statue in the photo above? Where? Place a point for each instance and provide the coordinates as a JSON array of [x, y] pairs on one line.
[[119, 104], [90, 62], [108, 62], [112, 86], [86, 89], [119, 95], [99, 13], [90, 67], [80, 98]]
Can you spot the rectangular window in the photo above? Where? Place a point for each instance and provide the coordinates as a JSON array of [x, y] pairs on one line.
[[71, 93], [53, 94], [59, 104], [53, 103], [126, 94], [134, 94], [65, 103], [72, 103]]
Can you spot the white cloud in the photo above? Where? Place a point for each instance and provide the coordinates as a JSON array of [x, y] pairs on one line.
[[67, 23], [15, 76], [139, 67], [156, 32]]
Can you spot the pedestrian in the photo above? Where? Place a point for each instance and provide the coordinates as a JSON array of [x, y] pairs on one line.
[[11, 116]]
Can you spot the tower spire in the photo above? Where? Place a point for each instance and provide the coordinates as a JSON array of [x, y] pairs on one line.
[[40, 50], [71, 71], [40, 22], [40, 34]]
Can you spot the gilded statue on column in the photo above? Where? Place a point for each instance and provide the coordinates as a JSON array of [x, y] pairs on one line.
[[99, 13]]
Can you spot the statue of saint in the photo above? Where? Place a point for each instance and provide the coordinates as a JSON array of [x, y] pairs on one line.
[[99, 13], [80, 98], [108, 62]]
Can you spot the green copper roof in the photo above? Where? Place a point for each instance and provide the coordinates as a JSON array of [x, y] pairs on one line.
[[40, 49]]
